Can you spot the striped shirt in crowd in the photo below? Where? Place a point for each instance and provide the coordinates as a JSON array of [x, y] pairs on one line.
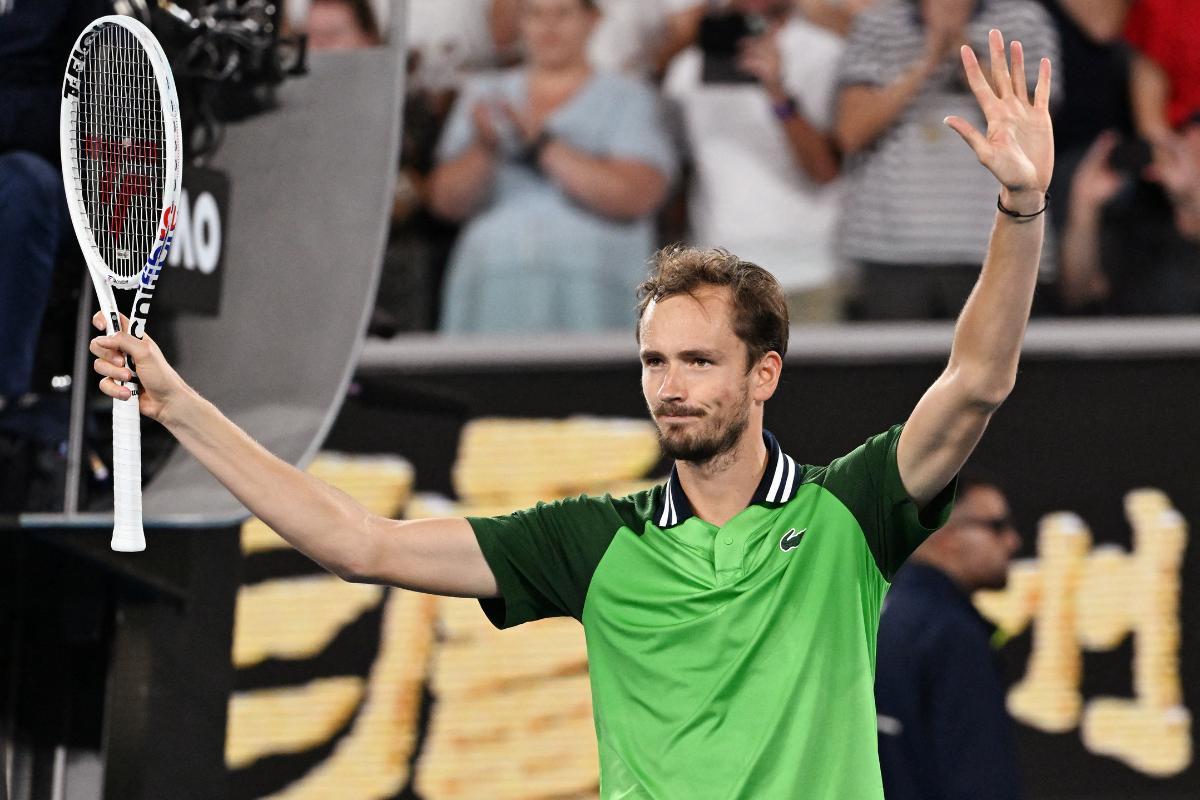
[[918, 194]]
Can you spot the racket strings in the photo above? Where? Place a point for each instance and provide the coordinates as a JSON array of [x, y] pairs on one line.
[[119, 160]]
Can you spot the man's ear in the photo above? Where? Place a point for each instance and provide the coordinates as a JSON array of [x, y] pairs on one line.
[[765, 376]]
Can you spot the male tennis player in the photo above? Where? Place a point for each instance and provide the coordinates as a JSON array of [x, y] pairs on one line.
[[731, 613]]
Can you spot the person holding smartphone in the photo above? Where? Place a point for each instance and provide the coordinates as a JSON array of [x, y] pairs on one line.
[[755, 98]]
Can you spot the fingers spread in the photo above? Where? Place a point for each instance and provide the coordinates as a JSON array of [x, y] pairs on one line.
[[1041, 95], [979, 85], [1020, 87], [1000, 77]]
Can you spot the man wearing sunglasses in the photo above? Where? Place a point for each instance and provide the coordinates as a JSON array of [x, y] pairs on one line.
[[939, 694]]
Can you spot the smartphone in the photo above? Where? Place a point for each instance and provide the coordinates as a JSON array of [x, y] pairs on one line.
[[720, 39]]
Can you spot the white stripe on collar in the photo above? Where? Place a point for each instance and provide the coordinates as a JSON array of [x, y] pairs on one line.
[[668, 507]]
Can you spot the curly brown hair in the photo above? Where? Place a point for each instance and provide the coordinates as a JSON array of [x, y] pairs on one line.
[[760, 315]]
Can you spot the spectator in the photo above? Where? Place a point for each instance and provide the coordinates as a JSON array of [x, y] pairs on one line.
[[939, 694], [1166, 68], [1176, 167], [919, 209], [756, 114], [1093, 70], [1131, 244], [635, 36], [557, 171], [35, 39], [32, 219]]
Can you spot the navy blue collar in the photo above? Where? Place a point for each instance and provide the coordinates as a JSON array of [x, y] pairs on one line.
[[779, 484]]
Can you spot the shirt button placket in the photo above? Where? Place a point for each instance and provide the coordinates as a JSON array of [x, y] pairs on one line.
[[728, 558]]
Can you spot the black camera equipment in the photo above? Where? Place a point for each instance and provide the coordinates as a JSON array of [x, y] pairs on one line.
[[227, 55]]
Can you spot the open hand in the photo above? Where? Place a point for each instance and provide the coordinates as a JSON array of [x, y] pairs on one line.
[[1019, 145], [1176, 163], [1095, 181], [159, 382]]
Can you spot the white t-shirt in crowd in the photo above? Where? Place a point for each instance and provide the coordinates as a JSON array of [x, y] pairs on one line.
[[748, 193], [630, 33]]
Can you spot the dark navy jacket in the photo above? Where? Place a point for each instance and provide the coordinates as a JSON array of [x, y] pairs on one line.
[[944, 733], [35, 40]]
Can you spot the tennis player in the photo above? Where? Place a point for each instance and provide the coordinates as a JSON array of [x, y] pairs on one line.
[[731, 613]]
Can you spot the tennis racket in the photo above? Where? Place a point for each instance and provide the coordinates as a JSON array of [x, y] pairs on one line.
[[122, 154]]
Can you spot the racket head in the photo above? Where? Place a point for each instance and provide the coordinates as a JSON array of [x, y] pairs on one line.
[[122, 151]]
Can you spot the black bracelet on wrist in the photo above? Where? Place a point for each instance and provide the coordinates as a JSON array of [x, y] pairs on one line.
[[1015, 215], [531, 155]]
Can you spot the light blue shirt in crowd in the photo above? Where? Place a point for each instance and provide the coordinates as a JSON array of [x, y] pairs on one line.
[[532, 259]]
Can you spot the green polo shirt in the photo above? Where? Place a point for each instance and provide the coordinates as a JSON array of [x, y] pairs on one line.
[[731, 662]]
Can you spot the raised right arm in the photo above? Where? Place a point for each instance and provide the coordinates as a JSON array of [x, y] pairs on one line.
[[439, 556]]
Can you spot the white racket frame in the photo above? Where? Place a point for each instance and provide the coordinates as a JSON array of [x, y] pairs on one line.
[[128, 535]]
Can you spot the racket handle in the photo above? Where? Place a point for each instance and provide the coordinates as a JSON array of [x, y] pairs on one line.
[[127, 477]]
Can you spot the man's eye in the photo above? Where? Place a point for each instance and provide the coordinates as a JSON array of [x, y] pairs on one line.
[[701, 362]]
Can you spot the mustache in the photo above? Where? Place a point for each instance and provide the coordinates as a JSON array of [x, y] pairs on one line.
[[670, 410]]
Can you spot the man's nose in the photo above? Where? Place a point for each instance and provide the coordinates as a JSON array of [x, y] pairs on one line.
[[1014, 540], [672, 387]]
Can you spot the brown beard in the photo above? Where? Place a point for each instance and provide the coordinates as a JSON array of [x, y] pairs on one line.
[[702, 450]]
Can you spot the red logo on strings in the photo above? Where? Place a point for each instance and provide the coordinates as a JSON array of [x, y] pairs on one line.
[[118, 187]]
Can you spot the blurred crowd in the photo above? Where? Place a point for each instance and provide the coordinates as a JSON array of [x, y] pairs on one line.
[[550, 146]]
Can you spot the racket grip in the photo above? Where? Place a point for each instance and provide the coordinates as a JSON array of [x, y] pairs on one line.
[[128, 536]]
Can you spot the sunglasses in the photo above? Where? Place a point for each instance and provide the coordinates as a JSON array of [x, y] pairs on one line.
[[997, 525]]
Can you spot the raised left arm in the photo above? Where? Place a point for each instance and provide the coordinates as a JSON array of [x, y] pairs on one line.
[[1018, 149]]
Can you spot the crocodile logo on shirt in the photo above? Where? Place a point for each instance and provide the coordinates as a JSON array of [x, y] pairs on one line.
[[791, 539]]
